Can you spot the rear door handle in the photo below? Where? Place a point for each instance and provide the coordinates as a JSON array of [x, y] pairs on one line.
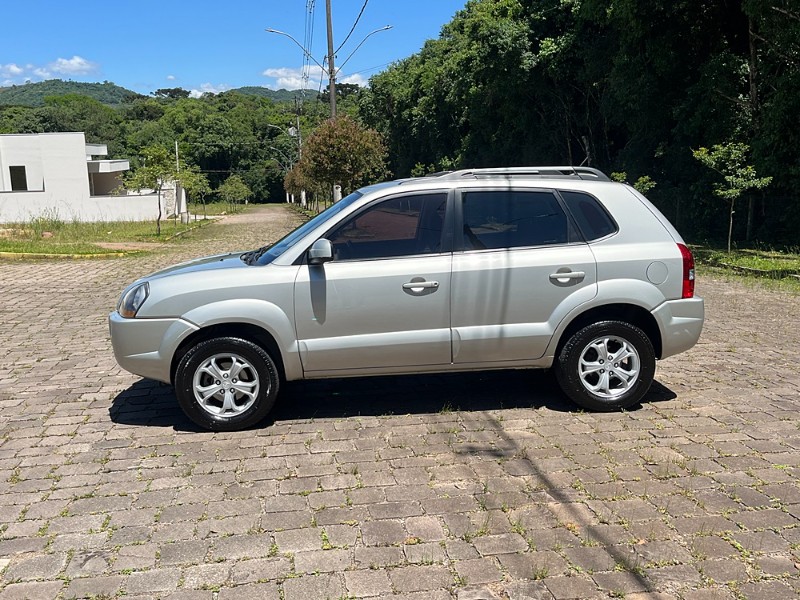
[[567, 275]]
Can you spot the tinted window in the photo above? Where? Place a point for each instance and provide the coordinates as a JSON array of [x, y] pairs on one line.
[[402, 226], [506, 219], [593, 221]]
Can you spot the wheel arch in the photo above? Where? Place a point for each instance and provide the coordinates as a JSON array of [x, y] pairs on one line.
[[627, 313], [246, 331]]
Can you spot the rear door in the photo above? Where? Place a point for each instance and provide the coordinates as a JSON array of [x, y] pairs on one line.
[[519, 263]]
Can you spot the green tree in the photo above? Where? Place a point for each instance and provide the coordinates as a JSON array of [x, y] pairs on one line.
[[73, 112], [234, 190], [342, 151], [728, 160], [156, 168], [196, 185]]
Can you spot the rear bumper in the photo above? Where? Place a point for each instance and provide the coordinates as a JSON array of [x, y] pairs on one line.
[[680, 323], [145, 347]]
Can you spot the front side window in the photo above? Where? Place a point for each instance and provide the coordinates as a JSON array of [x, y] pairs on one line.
[[402, 226], [508, 219]]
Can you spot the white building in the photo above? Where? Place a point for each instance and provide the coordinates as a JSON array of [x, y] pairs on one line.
[[58, 175]]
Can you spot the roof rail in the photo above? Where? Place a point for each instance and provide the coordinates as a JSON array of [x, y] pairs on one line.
[[586, 173]]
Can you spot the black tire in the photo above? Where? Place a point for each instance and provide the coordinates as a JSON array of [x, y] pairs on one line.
[[583, 378], [229, 404]]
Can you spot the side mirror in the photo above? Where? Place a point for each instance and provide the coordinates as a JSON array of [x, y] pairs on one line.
[[320, 252]]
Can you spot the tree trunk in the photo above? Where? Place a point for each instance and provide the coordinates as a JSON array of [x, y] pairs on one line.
[[730, 225], [158, 219], [750, 208]]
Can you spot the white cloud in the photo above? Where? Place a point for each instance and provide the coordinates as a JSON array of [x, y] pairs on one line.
[[76, 65], [292, 78], [358, 79], [15, 74], [170, 77], [10, 70], [209, 88]]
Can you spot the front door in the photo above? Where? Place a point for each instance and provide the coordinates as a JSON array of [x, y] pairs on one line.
[[383, 303]]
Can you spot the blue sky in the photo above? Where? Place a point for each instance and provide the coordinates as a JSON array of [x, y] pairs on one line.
[[206, 46]]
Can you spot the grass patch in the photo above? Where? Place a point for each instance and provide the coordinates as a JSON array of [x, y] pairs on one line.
[[45, 235], [773, 266]]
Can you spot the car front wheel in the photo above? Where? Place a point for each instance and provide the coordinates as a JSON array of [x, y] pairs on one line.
[[606, 366], [226, 384]]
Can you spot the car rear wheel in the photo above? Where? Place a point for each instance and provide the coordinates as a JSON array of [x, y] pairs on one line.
[[226, 384], [606, 366]]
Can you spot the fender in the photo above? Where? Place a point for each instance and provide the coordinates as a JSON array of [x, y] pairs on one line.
[[633, 292], [260, 313]]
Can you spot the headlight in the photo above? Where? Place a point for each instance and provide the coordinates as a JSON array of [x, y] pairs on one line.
[[132, 300]]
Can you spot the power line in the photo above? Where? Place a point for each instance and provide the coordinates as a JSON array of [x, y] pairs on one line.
[[353, 28], [308, 42]]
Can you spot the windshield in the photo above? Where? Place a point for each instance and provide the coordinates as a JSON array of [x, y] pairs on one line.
[[269, 253]]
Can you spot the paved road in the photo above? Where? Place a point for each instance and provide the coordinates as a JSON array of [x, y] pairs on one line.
[[474, 486]]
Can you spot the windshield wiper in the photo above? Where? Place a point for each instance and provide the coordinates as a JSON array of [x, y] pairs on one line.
[[252, 257]]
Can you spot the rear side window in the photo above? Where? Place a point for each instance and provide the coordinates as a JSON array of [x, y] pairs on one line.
[[508, 219], [592, 219]]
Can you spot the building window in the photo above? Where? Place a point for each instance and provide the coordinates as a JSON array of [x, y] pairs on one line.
[[19, 180]]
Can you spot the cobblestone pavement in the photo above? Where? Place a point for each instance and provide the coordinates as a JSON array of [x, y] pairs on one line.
[[472, 487]]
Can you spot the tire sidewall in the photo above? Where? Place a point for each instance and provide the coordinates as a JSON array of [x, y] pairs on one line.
[[255, 355], [568, 373]]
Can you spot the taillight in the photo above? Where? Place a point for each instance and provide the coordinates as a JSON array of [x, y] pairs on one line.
[[688, 272]]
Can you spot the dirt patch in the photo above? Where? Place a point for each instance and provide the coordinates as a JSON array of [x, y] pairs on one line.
[[123, 246]]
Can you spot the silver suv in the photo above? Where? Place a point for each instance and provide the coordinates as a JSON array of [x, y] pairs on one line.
[[533, 267]]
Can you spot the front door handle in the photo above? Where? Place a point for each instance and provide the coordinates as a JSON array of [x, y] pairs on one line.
[[420, 285]]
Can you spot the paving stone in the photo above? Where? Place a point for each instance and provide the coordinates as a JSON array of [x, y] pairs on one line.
[[259, 591], [187, 552], [506, 543], [87, 587], [205, 576], [367, 583], [323, 561], [724, 571], [479, 570], [420, 578], [38, 567], [383, 533], [298, 540], [314, 586], [155, 580], [568, 588], [33, 590], [260, 569], [768, 590]]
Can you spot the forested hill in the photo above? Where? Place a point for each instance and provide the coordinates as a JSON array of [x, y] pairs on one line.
[[274, 95], [33, 94]]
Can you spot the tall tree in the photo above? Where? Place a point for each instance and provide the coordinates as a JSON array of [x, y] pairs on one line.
[[156, 169], [342, 151], [729, 161]]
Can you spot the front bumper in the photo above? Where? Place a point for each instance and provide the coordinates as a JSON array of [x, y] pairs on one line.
[[680, 322], [145, 347]]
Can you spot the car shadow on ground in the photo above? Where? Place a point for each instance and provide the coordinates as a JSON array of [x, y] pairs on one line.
[[150, 403]]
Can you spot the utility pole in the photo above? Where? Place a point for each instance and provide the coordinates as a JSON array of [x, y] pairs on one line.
[[331, 68]]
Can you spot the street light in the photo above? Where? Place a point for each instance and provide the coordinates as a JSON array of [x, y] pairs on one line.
[[331, 71], [361, 43], [299, 45]]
